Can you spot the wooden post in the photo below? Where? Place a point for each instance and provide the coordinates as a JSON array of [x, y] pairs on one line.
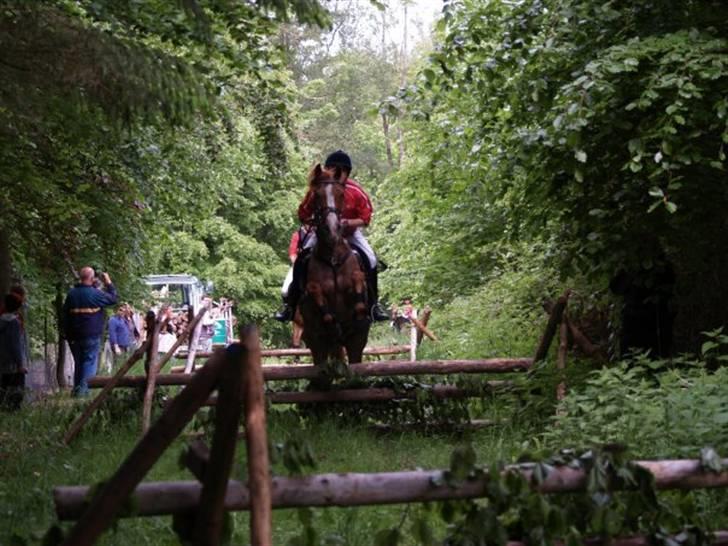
[[580, 340], [107, 504], [422, 329], [154, 370], [561, 360], [211, 513], [192, 345], [75, 428], [553, 323], [413, 337], [150, 365], [256, 440], [196, 458], [424, 320]]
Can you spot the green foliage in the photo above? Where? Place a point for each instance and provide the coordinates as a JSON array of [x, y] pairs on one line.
[[594, 131], [670, 413], [159, 146]]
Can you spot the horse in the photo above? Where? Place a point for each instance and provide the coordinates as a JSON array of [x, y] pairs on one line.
[[334, 306]]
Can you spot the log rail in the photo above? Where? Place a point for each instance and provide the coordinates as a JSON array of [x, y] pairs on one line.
[[359, 489], [365, 369]]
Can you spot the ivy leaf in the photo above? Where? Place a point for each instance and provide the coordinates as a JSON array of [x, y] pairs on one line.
[[580, 155]]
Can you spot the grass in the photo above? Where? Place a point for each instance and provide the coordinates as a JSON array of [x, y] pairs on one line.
[[33, 460]]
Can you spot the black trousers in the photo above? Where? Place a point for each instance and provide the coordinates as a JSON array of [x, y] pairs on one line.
[[12, 389]]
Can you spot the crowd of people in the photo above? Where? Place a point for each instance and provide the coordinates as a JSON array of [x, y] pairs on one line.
[[83, 320]]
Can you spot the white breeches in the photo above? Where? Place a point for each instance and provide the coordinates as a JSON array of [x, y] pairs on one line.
[[357, 240], [287, 282]]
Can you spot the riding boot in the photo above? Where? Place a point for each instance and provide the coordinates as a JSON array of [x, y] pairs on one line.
[[377, 313], [290, 300]]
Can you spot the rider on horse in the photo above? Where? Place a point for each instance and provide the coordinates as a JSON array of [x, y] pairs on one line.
[[356, 214]]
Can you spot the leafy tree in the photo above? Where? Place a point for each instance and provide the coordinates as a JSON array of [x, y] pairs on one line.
[[598, 128]]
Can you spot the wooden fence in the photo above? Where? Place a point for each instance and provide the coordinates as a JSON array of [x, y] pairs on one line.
[[198, 506]]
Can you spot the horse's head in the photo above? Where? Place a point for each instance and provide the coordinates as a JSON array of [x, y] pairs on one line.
[[327, 187]]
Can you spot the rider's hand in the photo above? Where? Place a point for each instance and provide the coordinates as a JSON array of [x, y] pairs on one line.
[[344, 222]]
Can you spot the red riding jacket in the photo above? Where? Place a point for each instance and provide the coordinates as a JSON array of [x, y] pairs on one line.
[[357, 205]]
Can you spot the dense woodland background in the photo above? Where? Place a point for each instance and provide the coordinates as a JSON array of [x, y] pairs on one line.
[[513, 149], [518, 148]]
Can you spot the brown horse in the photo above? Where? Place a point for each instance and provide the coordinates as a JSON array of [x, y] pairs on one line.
[[334, 305]]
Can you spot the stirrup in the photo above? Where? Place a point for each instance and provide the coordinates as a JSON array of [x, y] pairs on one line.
[[284, 314]]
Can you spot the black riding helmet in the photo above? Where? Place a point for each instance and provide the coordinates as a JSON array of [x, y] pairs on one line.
[[339, 159]]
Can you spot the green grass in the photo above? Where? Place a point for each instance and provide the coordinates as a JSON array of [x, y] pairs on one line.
[[34, 460]]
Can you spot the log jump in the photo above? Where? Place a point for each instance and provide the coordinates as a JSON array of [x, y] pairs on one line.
[[368, 351], [365, 369], [360, 489]]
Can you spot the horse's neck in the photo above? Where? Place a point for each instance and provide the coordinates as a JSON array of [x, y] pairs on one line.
[[332, 254]]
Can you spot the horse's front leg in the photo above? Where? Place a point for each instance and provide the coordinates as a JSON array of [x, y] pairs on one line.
[[360, 294], [317, 294]]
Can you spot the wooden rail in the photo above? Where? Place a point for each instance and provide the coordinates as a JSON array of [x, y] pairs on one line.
[[359, 489], [368, 351], [365, 369]]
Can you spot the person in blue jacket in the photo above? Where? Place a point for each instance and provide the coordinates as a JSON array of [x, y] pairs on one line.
[[121, 331], [83, 321]]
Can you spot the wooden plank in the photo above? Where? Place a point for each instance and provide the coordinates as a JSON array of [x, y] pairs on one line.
[[107, 504], [364, 369], [256, 439], [108, 386], [361, 489], [211, 512]]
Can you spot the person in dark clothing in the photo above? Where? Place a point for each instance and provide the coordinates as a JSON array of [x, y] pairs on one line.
[[647, 320], [83, 321], [13, 357]]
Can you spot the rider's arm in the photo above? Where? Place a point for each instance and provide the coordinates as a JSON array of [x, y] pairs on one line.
[[362, 206]]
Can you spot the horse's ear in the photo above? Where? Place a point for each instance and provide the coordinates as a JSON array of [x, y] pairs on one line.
[[314, 174]]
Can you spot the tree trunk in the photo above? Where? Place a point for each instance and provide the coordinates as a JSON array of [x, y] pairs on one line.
[[387, 142], [61, 351]]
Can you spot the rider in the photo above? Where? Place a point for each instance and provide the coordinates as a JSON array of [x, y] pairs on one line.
[[357, 214]]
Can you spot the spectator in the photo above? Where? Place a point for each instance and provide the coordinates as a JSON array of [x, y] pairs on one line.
[[167, 339], [83, 321], [207, 328], [13, 357], [121, 331]]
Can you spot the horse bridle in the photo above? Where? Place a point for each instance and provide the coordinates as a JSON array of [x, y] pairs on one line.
[[320, 214]]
